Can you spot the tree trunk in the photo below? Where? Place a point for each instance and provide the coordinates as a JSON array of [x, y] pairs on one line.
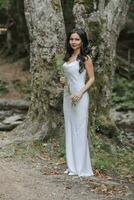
[[47, 37], [103, 21]]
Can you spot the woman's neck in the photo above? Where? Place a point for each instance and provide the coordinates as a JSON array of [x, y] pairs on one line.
[[76, 53]]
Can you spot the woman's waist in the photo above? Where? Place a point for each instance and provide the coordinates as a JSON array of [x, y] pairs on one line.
[[76, 88], [69, 91]]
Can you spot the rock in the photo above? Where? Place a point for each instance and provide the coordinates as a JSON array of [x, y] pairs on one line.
[[11, 122], [7, 127], [125, 120], [16, 119], [6, 104], [130, 137], [5, 113]]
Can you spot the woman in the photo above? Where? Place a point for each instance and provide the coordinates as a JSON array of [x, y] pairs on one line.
[[77, 66]]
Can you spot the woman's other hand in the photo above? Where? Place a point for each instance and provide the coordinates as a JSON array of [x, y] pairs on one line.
[[76, 97]]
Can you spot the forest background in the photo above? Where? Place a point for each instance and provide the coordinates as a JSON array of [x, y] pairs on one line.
[[112, 114]]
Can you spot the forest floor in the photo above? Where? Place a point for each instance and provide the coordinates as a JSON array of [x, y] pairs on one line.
[[36, 172], [14, 79]]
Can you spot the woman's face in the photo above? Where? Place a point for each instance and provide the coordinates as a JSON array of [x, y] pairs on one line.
[[75, 41]]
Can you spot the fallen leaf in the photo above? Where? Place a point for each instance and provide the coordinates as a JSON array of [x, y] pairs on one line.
[[100, 189], [68, 187], [97, 173], [109, 178]]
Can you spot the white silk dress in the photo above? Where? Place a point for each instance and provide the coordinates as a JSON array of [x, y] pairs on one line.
[[76, 122]]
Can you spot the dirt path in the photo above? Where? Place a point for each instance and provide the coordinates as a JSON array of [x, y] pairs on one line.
[[23, 181], [27, 179]]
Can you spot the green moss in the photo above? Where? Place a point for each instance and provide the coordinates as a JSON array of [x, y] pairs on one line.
[[89, 5], [3, 87], [95, 30], [123, 93], [99, 111], [58, 62], [106, 126], [56, 5]]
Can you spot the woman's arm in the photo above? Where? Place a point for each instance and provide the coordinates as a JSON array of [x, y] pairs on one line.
[[90, 72]]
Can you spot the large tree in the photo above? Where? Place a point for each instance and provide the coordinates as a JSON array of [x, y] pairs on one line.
[[47, 39], [103, 21]]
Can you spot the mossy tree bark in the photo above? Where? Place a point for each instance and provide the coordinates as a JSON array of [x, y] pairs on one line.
[[103, 21], [47, 40]]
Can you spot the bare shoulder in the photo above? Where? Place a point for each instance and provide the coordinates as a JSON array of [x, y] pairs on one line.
[[88, 60]]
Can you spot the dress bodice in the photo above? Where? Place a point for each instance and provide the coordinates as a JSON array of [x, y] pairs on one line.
[[75, 79]]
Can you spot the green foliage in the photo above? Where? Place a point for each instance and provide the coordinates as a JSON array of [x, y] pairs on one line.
[[123, 92], [97, 125], [3, 87], [131, 14], [112, 159], [58, 62], [3, 3], [103, 162], [28, 149], [22, 86], [58, 144], [131, 1]]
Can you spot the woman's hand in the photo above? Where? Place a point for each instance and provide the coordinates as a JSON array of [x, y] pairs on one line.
[[62, 81], [76, 97]]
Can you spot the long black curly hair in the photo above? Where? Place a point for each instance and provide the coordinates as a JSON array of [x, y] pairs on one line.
[[85, 50]]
